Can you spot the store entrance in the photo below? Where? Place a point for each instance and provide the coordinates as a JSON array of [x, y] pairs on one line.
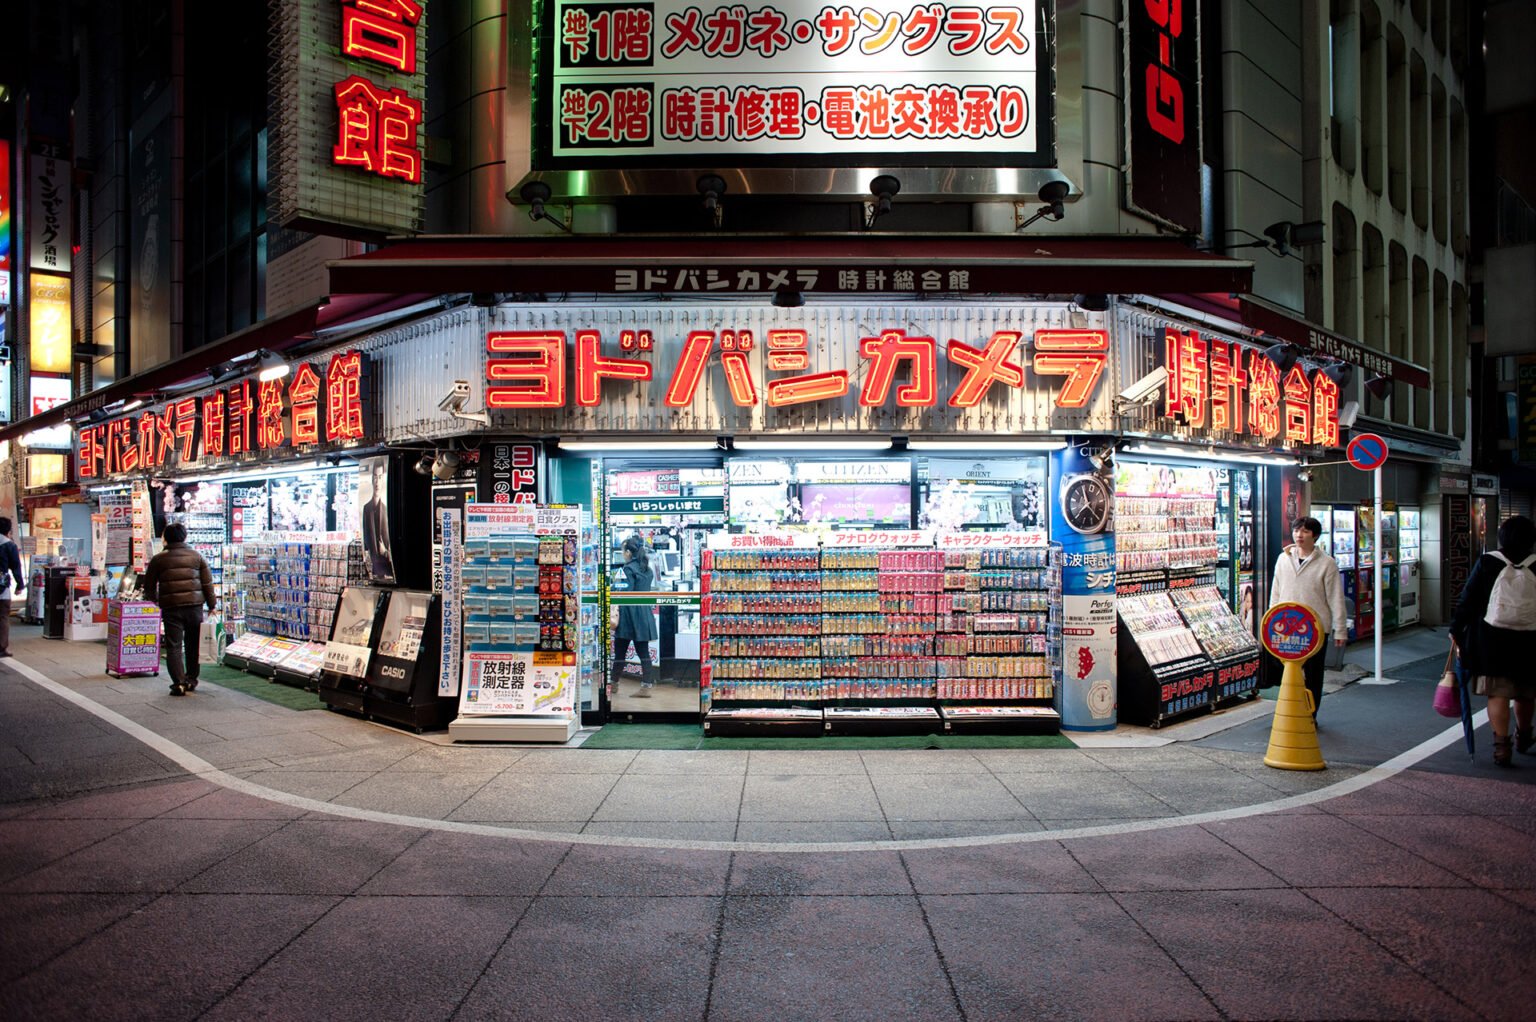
[[655, 527]]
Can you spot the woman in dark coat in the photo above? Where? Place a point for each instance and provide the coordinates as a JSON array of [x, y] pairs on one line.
[[636, 624], [1499, 659]]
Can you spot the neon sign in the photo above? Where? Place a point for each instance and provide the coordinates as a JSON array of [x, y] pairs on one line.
[[527, 368], [1208, 382], [238, 419], [376, 126]]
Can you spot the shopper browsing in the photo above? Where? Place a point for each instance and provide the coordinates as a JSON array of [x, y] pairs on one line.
[[10, 568], [1308, 576], [635, 624], [178, 580], [1494, 629]]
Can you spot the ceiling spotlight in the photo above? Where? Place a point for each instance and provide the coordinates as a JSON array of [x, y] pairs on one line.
[[1304, 476], [788, 299], [446, 466], [1054, 194], [1091, 303], [536, 194], [1283, 355], [423, 465], [884, 188], [273, 366], [1341, 373], [1379, 387]]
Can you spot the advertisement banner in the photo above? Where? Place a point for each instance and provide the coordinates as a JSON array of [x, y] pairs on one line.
[[133, 637], [50, 318], [450, 528], [118, 509], [503, 683], [48, 210], [1163, 65], [508, 474], [373, 493], [1081, 517]]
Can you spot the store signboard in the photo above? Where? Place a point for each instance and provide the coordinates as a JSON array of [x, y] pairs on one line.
[[450, 526], [118, 508], [666, 505], [50, 229], [1080, 515], [1163, 68], [349, 77], [761, 541], [1001, 369], [881, 538], [792, 83], [6, 201], [1222, 386], [133, 637], [508, 474], [1525, 411], [990, 540], [49, 392], [49, 316], [318, 406]]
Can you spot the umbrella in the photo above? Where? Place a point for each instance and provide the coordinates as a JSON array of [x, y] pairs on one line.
[[1463, 682]]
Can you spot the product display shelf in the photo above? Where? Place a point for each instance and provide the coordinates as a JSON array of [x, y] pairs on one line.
[[205, 534], [292, 586], [761, 642], [992, 646], [1221, 634], [592, 634], [1162, 532]]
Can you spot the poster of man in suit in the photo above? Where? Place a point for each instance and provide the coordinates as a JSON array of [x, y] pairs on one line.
[[373, 492]]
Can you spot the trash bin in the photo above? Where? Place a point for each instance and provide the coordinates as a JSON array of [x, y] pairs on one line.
[[56, 599]]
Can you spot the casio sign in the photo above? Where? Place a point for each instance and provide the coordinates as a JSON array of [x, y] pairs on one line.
[[398, 673]]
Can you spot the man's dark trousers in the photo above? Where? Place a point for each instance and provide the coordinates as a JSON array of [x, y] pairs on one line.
[[182, 636]]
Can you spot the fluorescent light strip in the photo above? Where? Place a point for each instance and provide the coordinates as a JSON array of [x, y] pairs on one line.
[[963, 446], [1161, 451], [638, 446], [812, 446]]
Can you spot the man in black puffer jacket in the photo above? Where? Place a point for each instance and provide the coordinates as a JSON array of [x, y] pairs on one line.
[[179, 580]]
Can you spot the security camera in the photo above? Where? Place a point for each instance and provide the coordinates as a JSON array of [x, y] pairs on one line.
[[1144, 391], [456, 398]]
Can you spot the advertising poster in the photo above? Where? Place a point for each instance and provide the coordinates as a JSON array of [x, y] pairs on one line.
[[1081, 519], [373, 493], [508, 684], [118, 510], [449, 533], [508, 474], [133, 637]]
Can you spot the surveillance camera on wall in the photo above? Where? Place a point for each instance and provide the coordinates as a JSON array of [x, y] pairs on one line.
[[456, 398], [1144, 390]]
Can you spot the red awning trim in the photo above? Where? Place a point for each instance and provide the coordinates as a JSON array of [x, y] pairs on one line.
[[276, 334], [1287, 326], [630, 264]]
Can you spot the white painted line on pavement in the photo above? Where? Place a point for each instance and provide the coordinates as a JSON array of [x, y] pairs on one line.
[[200, 767]]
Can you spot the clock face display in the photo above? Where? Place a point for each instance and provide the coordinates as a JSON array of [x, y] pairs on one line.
[[1085, 503]]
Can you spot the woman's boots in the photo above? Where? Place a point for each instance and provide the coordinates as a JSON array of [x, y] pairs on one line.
[[1503, 750], [1524, 740]]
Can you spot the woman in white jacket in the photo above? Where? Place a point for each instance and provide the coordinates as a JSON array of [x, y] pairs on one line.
[[1306, 575]]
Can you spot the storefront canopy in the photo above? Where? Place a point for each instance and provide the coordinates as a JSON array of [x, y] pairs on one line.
[[885, 265], [275, 334]]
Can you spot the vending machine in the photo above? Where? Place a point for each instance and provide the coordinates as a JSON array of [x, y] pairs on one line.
[[1408, 566], [1388, 613]]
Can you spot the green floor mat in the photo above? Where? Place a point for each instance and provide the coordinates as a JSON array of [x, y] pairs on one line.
[[261, 688], [690, 737]]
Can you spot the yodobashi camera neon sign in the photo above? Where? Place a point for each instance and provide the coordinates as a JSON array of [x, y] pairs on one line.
[[376, 126], [1219, 385]]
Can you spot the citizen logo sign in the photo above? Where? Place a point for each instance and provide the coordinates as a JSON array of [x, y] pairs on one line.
[[397, 673]]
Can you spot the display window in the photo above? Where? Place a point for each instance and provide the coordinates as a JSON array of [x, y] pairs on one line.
[[1007, 494]]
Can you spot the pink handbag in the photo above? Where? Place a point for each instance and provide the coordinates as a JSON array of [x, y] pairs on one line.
[[1448, 693]]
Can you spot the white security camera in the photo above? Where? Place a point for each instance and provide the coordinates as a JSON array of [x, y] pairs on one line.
[[1144, 390], [456, 398]]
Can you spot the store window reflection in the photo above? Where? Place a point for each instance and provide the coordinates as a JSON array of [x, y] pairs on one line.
[[1006, 494]]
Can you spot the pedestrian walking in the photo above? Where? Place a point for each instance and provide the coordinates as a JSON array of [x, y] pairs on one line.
[[1308, 576], [1494, 629], [10, 568], [178, 580]]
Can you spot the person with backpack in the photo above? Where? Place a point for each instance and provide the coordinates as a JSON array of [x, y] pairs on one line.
[[1494, 629]]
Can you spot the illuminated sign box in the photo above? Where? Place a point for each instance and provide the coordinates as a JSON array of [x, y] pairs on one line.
[[50, 317], [793, 83]]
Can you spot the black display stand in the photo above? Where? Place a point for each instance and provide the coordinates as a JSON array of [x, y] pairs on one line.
[[404, 691], [764, 722], [342, 691]]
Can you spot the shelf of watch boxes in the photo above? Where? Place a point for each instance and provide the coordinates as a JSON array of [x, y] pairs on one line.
[[910, 641]]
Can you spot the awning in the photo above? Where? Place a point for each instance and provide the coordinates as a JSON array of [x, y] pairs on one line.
[[276, 334], [1288, 326], [833, 264]]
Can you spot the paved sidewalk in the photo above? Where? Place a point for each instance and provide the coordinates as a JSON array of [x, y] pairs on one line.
[[319, 866]]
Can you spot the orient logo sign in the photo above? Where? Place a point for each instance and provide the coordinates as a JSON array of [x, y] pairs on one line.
[[627, 84]]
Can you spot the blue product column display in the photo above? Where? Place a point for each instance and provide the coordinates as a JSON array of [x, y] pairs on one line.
[[1082, 513]]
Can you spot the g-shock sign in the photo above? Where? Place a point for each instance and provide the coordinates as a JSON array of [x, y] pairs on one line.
[[1164, 69]]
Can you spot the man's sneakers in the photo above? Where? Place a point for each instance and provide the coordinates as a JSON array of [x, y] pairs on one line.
[[178, 690]]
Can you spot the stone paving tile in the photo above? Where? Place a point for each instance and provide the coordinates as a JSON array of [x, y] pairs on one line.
[[720, 830], [1023, 868], [278, 748], [810, 761], [613, 959], [596, 871], [790, 831], [1107, 797], [434, 759], [687, 798], [917, 830], [1176, 859], [155, 855], [1057, 956], [575, 761], [1392, 797], [252, 726], [322, 785], [1038, 761], [807, 798], [32, 842], [445, 863], [36, 927], [1293, 847], [820, 957], [796, 874], [1506, 791], [922, 762], [1202, 789], [225, 804], [1462, 940], [80, 747], [1519, 897], [537, 796], [906, 797], [431, 796], [1280, 952], [371, 759], [139, 803], [405, 958], [154, 963], [307, 857], [721, 763], [1141, 761], [1486, 852]]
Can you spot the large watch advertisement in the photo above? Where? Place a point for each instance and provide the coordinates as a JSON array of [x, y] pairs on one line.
[[1082, 522]]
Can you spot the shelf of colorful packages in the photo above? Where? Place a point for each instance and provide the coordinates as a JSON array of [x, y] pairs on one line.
[[524, 640], [292, 583], [763, 609]]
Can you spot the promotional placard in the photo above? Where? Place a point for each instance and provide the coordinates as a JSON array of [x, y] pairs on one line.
[[450, 529], [1080, 516], [133, 637], [1290, 632]]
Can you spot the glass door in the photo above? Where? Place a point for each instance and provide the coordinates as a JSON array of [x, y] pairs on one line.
[[654, 532]]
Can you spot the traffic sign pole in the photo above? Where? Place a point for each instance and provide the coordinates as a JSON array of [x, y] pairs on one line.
[[1368, 452], [1380, 559]]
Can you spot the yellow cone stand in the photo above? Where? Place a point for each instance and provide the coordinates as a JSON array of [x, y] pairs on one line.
[[1291, 633]]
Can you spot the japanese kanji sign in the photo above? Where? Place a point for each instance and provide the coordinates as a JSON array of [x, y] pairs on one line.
[[1222, 386], [792, 81]]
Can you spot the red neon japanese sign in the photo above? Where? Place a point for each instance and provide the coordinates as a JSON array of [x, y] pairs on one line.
[[376, 126], [312, 407]]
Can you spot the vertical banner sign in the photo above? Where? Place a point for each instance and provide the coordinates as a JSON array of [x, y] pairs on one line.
[[1163, 65], [118, 508], [1080, 520], [509, 474], [48, 209], [149, 181], [378, 540], [1525, 412], [5, 260], [450, 530], [1458, 547]]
